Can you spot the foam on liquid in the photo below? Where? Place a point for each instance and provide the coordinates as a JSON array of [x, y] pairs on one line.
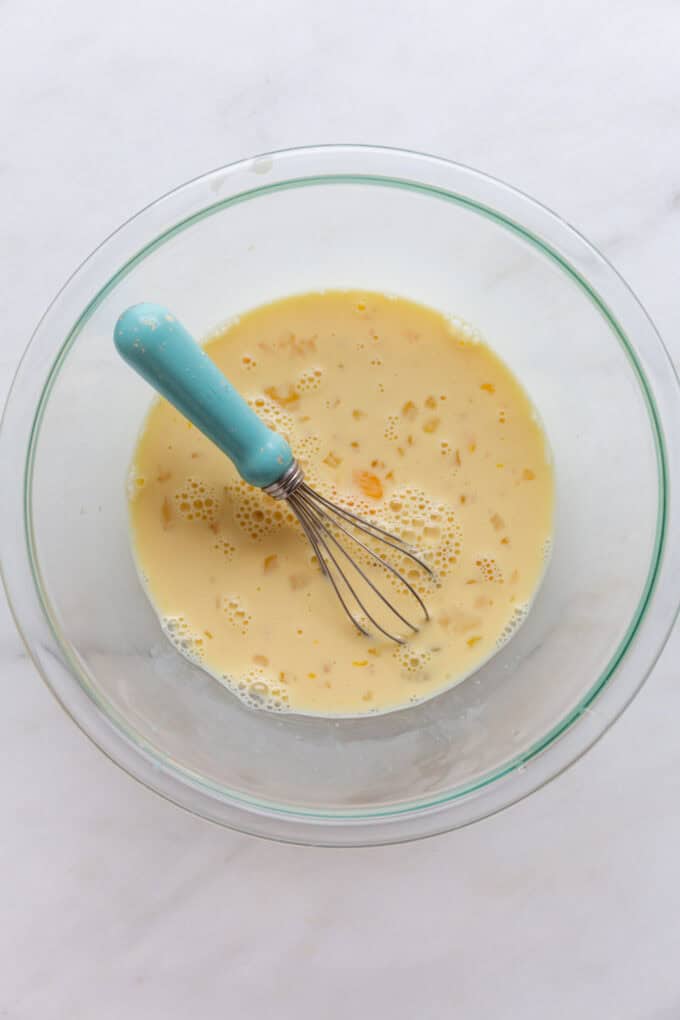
[[401, 416]]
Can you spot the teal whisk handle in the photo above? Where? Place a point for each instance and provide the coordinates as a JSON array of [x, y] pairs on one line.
[[157, 346]]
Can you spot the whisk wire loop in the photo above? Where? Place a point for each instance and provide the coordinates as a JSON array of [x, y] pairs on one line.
[[323, 523]]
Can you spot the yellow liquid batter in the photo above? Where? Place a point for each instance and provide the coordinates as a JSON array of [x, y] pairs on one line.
[[393, 411]]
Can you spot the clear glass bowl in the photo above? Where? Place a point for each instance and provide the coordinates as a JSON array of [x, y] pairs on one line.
[[441, 234]]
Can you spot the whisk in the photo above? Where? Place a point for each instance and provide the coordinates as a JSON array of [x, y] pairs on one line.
[[157, 346]]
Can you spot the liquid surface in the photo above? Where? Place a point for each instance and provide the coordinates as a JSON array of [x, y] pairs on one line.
[[402, 416]]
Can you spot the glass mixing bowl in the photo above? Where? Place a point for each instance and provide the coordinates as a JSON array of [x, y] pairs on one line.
[[446, 236]]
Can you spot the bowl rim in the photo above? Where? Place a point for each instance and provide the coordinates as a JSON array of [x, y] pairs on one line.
[[245, 180]]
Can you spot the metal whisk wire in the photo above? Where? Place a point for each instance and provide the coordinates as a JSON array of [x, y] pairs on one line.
[[321, 521]]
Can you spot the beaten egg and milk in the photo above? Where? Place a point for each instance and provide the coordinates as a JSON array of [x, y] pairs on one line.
[[394, 412]]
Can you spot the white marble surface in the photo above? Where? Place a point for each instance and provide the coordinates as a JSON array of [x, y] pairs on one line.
[[115, 904]]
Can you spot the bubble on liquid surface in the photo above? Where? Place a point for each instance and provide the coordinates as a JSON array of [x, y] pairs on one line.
[[430, 529], [225, 547], [490, 569], [308, 454], [392, 428], [309, 381], [255, 513], [197, 501], [413, 661], [273, 413], [235, 612], [248, 363], [256, 690], [516, 620], [189, 644]]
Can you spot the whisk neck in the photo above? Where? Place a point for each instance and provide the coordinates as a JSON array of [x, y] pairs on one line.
[[286, 485]]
